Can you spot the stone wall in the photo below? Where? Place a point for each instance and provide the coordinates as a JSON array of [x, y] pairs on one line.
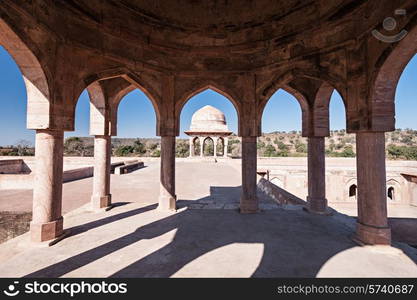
[[279, 195], [13, 224], [291, 174], [13, 166]]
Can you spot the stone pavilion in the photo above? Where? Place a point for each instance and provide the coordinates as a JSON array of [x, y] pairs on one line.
[[208, 123]]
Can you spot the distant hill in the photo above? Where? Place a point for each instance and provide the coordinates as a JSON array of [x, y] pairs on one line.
[[400, 144]]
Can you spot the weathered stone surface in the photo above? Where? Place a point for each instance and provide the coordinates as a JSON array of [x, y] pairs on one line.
[[243, 50], [208, 123]]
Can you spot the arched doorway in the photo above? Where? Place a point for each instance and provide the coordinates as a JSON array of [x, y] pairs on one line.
[[207, 119], [282, 140]]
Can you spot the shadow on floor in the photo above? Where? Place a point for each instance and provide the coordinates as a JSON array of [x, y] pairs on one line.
[[100, 222], [404, 230], [295, 243]]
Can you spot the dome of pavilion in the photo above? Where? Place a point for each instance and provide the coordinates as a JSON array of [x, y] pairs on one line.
[[208, 119]]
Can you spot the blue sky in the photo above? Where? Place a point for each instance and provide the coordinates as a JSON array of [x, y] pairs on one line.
[[137, 117]]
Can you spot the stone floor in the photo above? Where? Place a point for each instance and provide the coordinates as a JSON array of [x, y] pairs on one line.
[[135, 240]]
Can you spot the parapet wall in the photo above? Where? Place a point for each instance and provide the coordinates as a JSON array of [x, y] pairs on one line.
[[18, 172], [14, 166], [290, 174]]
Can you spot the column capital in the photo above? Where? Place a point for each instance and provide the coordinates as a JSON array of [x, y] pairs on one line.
[[52, 132], [102, 136], [361, 131], [249, 138]]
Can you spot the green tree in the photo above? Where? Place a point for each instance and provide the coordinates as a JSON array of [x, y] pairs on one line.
[[138, 147], [408, 140], [124, 150], [402, 152], [282, 146], [23, 148], [208, 148], [348, 152], [182, 149], [283, 153], [74, 146], [269, 151], [260, 145], [301, 148], [156, 153], [331, 145], [153, 146]]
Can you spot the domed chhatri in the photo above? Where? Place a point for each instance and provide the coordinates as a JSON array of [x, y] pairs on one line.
[[208, 119], [208, 123]]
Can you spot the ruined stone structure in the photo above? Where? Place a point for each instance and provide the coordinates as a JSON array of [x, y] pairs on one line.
[[291, 174], [245, 50], [208, 123]]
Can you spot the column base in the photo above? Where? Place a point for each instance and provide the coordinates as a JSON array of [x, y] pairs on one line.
[[249, 206], [98, 202], [41, 232], [371, 235], [167, 203], [317, 206]]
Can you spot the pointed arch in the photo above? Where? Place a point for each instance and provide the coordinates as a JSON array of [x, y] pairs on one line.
[[205, 140], [321, 107], [384, 80], [106, 89], [39, 106], [179, 105], [314, 103], [300, 98]]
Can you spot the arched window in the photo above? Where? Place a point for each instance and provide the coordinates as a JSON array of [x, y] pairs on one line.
[[353, 190], [208, 147], [196, 142], [391, 193]]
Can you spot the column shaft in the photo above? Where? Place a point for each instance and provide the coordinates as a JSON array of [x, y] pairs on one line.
[[167, 197], [47, 221], [101, 183], [249, 199], [215, 146], [316, 199], [191, 141], [225, 146], [372, 223], [201, 147]]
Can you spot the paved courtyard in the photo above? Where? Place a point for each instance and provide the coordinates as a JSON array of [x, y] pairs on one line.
[[207, 237]]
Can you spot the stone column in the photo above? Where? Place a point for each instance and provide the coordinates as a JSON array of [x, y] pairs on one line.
[[372, 224], [47, 221], [215, 146], [167, 197], [201, 147], [191, 146], [225, 146], [249, 199], [316, 199], [101, 183]]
